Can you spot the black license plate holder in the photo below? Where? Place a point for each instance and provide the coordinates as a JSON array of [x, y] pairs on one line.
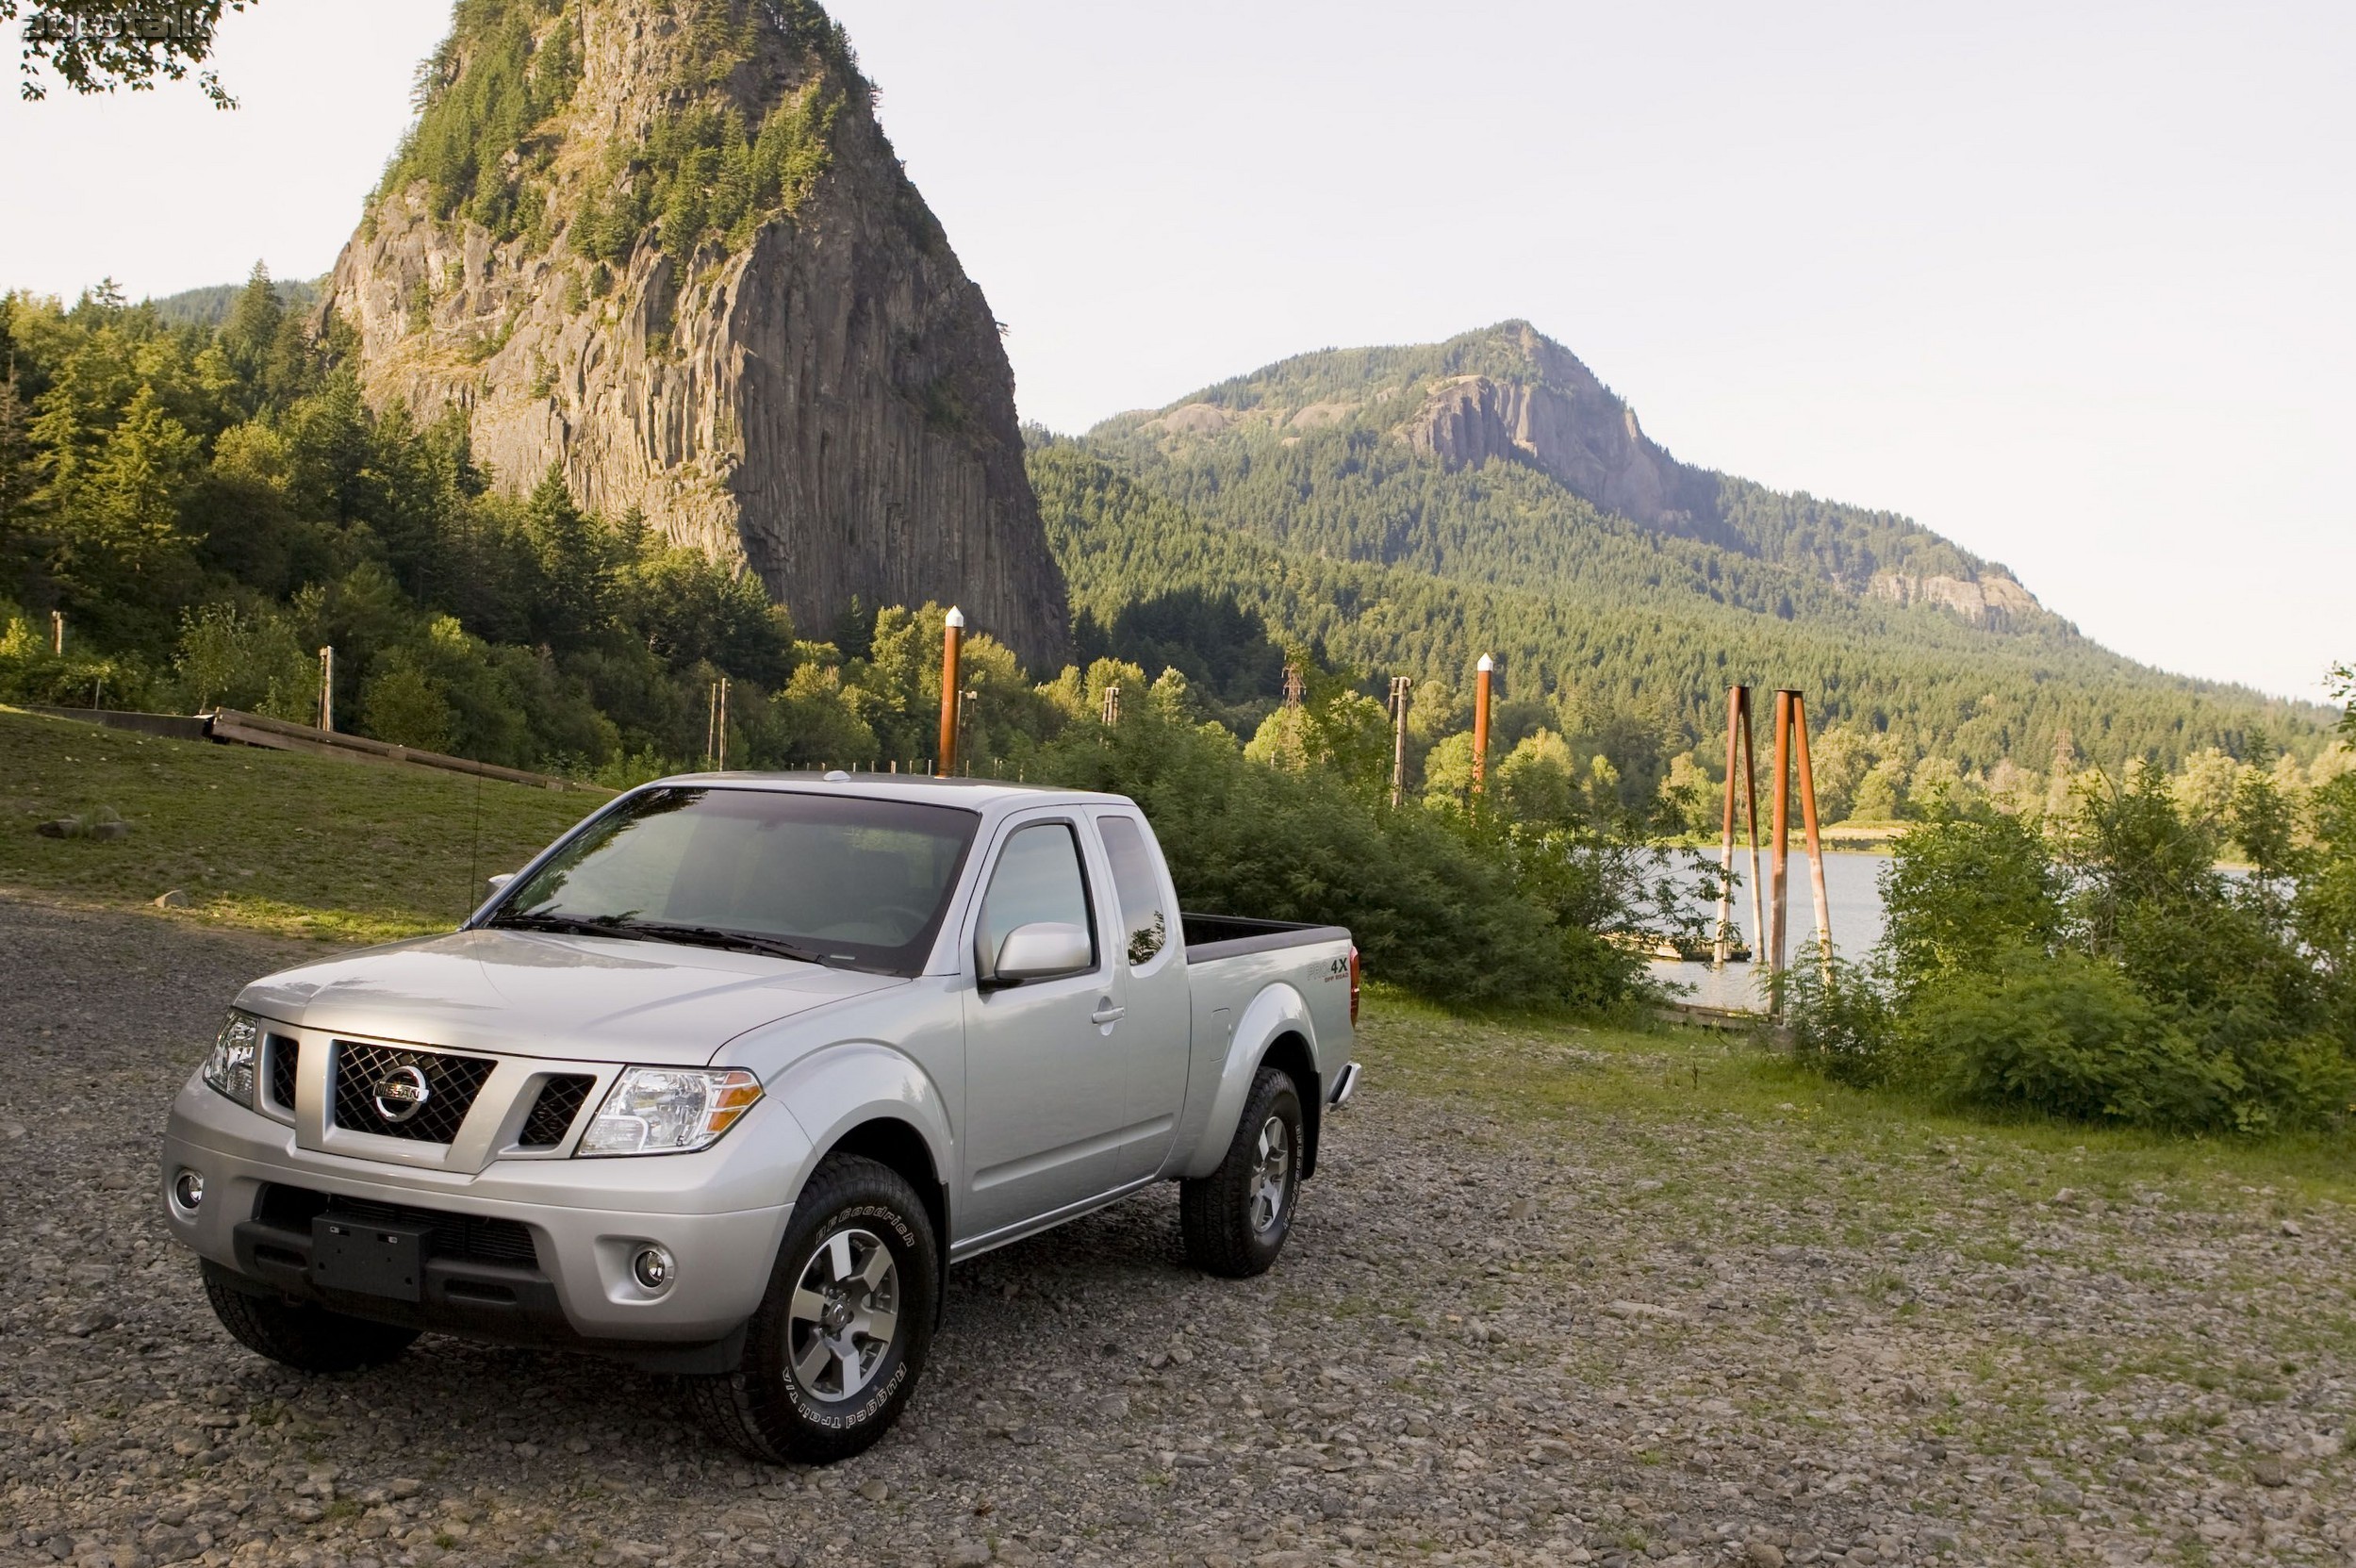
[[369, 1259]]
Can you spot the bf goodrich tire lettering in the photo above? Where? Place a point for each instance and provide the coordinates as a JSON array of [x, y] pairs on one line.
[[774, 1405]]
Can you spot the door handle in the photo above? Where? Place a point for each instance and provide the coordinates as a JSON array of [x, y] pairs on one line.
[[1106, 1012]]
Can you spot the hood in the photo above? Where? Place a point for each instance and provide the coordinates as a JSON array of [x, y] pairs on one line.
[[596, 998]]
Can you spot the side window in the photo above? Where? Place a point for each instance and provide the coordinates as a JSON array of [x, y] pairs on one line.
[[1038, 878], [1145, 929]]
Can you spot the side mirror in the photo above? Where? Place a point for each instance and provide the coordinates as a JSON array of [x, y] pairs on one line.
[[1041, 950], [499, 880]]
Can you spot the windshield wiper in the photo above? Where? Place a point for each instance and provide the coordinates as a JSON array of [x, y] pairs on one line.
[[569, 925], [719, 936]]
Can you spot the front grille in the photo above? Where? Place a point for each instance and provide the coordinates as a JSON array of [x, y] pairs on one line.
[[285, 1056], [552, 1112], [362, 1071], [470, 1237]]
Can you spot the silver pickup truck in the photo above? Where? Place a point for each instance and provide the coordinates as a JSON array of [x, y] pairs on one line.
[[722, 1082]]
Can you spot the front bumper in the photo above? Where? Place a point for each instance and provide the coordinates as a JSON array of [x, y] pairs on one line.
[[713, 1212]]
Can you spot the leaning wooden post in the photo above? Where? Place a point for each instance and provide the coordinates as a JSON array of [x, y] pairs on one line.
[[1779, 853], [1485, 673], [952, 643], [1720, 951], [1816, 845], [327, 688], [1400, 685], [1751, 822]]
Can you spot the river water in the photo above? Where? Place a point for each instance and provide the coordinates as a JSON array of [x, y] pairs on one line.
[[1852, 889]]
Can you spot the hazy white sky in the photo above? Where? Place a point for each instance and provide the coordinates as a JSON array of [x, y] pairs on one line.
[[2070, 283]]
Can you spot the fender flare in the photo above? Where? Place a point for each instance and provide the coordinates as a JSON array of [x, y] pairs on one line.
[[1278, 1010], [834, 1091]]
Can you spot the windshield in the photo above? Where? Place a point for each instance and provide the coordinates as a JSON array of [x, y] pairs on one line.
[[826, 878]]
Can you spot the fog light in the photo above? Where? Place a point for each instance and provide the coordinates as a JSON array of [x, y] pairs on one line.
[[653, 1269], [187, 1189]]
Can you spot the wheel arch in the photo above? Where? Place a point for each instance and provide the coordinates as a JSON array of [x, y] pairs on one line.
[[1275, 1029], [1291, 1052]]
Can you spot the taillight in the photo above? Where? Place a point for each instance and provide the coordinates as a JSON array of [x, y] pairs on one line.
[[1353, 985]]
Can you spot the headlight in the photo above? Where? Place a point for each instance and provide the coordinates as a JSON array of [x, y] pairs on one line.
[[235, 1056], [669, 1110]]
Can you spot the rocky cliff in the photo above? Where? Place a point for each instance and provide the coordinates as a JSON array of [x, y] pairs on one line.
[[664, 244]]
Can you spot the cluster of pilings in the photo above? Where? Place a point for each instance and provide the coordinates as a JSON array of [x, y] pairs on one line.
[[1771, 903]]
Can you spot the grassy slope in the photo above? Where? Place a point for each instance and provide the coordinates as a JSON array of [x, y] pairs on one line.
[[351, 851]]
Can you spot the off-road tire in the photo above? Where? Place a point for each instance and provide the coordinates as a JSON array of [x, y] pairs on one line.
[[1215, 1212], [762, 1406], [301, 1334]]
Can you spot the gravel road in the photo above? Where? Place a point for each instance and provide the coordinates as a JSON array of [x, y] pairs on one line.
[[1614, 1339]]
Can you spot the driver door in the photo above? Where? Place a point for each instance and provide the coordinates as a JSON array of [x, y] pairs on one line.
[[1045, 1089]]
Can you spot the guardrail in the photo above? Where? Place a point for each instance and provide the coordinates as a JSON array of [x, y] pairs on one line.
[[254, 729]]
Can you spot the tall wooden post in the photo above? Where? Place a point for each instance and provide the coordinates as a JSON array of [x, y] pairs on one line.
[[1719, 951], [1816, 845], [327, 688], [1751, 820], [57, 632], [1779, 865], [1399, 686], [1485, 673], [952, 645], [721, 761]]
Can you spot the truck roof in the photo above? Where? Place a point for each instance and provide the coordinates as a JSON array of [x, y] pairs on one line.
[[976, 793]]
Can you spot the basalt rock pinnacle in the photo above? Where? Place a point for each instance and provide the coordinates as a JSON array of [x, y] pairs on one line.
[[664, 245]]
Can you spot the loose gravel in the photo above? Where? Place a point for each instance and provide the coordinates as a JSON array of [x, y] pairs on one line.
[[1609, 1339]]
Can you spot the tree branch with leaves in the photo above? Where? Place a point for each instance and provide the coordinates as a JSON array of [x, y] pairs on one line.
[[99, 45]]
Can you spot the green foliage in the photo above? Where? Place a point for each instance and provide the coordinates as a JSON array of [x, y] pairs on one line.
[[2069, 1036], [2105, 968], [1216, 562], [703, 176], [1432, 908], [88, 46], [1965, 895], [482, 141]]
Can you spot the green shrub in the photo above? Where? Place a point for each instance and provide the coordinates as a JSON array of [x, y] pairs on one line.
[[1431, 908], [2071, 1036], [1965, 894], [1840, 1018]]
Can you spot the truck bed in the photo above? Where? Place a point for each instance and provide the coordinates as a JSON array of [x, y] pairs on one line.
[[1215, 936]]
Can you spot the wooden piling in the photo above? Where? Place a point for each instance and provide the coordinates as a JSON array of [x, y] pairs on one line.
[[1726, 835], [1400, 685], [1751, 820], [1485, 672], [1779, 851], [952, 645], [1815, 845]]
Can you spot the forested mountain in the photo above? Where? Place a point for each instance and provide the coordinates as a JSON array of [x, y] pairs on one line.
[[210, 306], [1153, 581], [1408, 508], [1492, 456]]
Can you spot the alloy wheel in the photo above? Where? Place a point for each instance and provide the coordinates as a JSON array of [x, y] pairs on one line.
[[844, 1314]]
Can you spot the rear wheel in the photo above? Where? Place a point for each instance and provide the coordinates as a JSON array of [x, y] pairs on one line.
[[1236, 1219], [837, 1346], [300, 1333]]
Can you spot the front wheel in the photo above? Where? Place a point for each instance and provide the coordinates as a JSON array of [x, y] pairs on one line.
[[837, 1346], [1236, 1219]]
